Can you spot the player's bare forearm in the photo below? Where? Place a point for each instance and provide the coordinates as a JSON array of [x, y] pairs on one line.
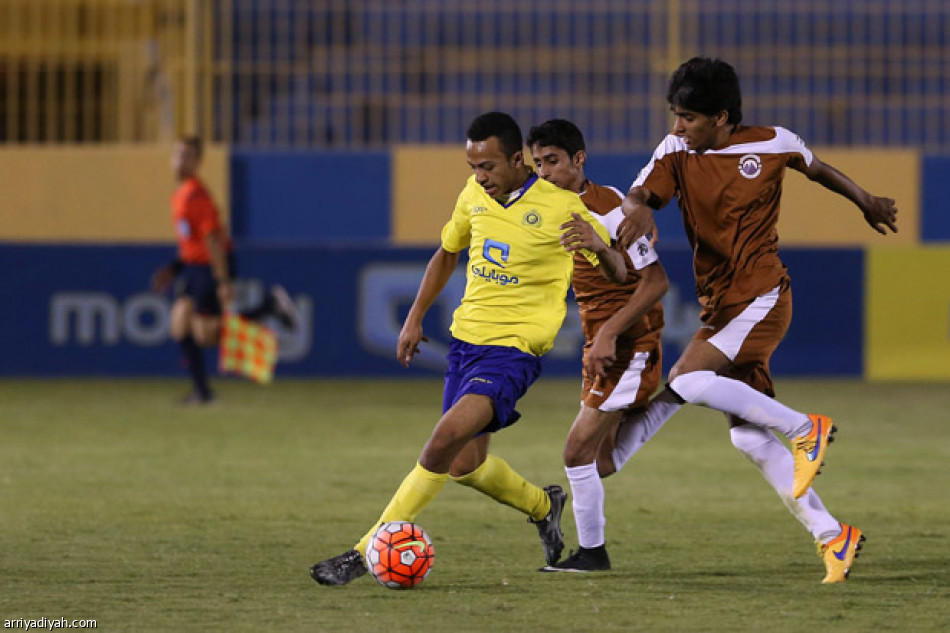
[[438, 271], [638, 216], [579, 235], [612, 265], [602, 353], [651, 289], [879, 212]]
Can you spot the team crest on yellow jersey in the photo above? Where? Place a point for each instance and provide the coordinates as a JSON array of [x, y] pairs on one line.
[[531, 218]]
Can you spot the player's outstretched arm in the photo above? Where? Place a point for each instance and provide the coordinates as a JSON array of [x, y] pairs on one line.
[[880, 213], [438, 271], [602, 353], [579, 234], [638, 216]]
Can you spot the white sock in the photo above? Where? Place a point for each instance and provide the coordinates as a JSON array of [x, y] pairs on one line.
[[587, 495], [775, 463], [739, 399], [637, 428]]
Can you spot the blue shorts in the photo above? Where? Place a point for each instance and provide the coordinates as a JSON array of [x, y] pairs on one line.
[[501, 373], [197, 281]]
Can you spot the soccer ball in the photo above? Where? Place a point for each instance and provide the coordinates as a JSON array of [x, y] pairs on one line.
[[399, 555]]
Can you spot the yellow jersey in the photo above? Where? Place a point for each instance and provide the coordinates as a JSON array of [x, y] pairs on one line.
[[518, 272]]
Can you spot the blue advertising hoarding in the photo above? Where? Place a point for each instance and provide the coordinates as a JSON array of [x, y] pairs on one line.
[[87, 310]]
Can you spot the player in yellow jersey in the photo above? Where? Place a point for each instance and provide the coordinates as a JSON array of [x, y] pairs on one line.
[[521, 234]]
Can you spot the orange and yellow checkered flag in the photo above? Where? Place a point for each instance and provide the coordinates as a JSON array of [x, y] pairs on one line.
[[248, 349]]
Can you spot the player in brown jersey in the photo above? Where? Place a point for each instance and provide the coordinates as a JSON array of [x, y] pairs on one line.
[[622, 324], [728, 180]]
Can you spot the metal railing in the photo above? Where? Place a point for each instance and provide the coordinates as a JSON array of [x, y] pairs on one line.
[[372, 73]]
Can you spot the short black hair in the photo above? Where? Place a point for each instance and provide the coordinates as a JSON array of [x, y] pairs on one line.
[[195, 143], [707, 86], [559, 133], [497, 124]]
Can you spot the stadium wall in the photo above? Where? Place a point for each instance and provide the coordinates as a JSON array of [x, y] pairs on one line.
[[96, 194], [811, 216], [295, 197], [120, 194], [349, 233], [86, 310], [907, 313]]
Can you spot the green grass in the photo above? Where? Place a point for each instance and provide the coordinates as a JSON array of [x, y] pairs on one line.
[[116, 505]]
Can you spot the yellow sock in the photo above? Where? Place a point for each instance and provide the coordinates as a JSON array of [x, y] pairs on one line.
[[499, 481], [414, 493]]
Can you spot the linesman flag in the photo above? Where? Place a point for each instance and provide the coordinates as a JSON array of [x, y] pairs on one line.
[[248, 349]]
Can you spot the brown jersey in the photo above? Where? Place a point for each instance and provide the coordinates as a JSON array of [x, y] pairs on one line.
[[599, 299], [729, 198]]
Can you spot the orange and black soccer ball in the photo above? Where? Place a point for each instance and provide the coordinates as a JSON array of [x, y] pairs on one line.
[[399, 555]]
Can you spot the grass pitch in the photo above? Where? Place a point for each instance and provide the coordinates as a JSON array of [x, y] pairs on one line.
[[119, 506]]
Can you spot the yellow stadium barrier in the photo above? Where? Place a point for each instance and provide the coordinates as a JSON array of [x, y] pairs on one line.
[[96, 194], [907, 308]]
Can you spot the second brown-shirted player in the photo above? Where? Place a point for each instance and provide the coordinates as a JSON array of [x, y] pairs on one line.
[[622, 325]]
